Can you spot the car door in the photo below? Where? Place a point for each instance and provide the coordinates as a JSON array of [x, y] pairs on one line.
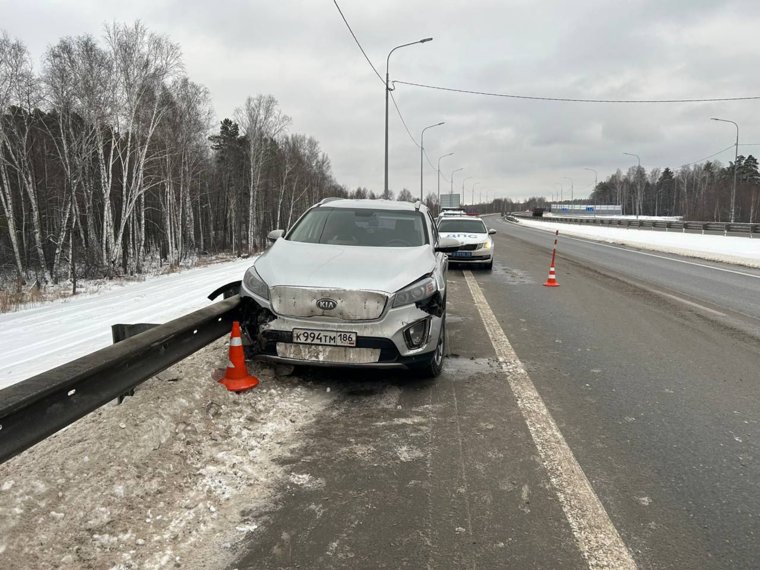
[[441, 259]]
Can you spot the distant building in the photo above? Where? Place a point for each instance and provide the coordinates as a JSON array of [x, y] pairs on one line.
[[586, 210]]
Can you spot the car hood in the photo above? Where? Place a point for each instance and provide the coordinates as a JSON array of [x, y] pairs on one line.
[[466, 238], [327, 266]]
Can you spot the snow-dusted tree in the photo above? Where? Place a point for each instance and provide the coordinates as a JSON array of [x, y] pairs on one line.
[[12, 57], [143, 64], [261, 121], [405, 196], [23, 99]]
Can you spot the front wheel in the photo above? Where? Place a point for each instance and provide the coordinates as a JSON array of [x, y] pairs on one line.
[[432, 367]]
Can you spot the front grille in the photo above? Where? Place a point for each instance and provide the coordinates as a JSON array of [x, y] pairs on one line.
[[349, 305]]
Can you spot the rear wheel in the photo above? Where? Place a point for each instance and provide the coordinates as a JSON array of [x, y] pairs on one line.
[[432, 367]]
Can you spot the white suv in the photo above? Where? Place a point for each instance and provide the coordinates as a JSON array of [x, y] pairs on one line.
[[352, 283]]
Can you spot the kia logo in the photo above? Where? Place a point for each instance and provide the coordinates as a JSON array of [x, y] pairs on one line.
[[327, 304]]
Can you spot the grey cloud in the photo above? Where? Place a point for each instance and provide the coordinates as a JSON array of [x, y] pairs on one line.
[[301, 52]]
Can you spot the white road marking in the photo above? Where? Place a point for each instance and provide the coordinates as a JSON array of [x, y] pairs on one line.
[[691, 303], [596, 536]]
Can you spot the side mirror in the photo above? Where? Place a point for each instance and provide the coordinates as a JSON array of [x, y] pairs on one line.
[[274, 235], [491, 232], [448, 245]]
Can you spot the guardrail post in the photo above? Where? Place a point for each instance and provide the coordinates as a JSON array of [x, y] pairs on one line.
[[120, 332]]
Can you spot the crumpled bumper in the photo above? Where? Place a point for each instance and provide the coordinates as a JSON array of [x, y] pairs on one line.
[[379, 343]]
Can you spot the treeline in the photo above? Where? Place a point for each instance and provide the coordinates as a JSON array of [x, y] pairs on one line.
[[696, 192], [107, 166]]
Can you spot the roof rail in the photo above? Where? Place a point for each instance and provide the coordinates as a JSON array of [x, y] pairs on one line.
[[330, 199]]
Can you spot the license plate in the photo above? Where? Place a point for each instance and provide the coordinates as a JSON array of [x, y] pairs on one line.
[[462, 254], [329, 338]]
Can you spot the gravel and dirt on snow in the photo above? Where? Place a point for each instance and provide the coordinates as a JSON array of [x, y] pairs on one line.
[[176, 476]]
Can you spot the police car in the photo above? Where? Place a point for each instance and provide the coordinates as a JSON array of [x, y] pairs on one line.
[[477, 244]]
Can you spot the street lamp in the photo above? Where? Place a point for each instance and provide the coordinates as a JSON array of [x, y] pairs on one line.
[[571, 187], [638, 194], [422, 151], [473, 191], [596, 174], [439, 177], [387, 93], [736, 158], [463, 181], [452, 178]]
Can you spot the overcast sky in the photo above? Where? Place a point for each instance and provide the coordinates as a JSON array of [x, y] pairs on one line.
[[302, 53]]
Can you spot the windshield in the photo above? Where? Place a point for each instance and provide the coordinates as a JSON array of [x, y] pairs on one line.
[[462, 225], [362, 227]]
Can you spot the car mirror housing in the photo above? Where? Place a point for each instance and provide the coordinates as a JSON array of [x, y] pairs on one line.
[[448, 245], [274, 235], [491, 232]]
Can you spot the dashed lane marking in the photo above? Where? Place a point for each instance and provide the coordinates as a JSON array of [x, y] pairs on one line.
[[597, 538]]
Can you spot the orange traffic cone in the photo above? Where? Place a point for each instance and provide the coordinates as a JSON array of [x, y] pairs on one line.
[[236, 378], [552, 280]]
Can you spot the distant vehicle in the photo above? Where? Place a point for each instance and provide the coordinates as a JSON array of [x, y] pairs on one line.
[[451, 212], [352, 283], [477, 244]]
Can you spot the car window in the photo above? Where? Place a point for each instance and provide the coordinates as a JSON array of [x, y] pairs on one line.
[[462, 225], [361, 227]]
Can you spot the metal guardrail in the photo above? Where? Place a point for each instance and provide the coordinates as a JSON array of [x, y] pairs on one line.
[[712, 227], [34, 409]]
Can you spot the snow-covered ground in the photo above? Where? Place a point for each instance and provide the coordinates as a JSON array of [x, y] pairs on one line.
[[39, 338], [176, 477], [729, 249]]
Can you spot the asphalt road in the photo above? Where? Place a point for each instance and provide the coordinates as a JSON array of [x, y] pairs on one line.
[[649, 368]]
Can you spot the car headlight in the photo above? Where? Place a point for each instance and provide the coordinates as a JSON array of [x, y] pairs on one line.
[[416, 292], [486, 245], [255, 284]]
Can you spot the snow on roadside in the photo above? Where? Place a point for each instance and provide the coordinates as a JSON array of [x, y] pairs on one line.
[[729, 249], [175, 476], [39, 338]]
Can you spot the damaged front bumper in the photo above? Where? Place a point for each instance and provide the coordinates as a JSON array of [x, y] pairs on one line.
[[380, 343]]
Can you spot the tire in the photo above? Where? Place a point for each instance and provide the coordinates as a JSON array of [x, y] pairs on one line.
[[432, 367], [488, 266]]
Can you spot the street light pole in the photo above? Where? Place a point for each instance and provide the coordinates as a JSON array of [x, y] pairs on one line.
[[387, 93], [463, 181], [452, 178], [422, 151], [571, 187], [638, 194], [595, 176], [736, 158], [439, 177]]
